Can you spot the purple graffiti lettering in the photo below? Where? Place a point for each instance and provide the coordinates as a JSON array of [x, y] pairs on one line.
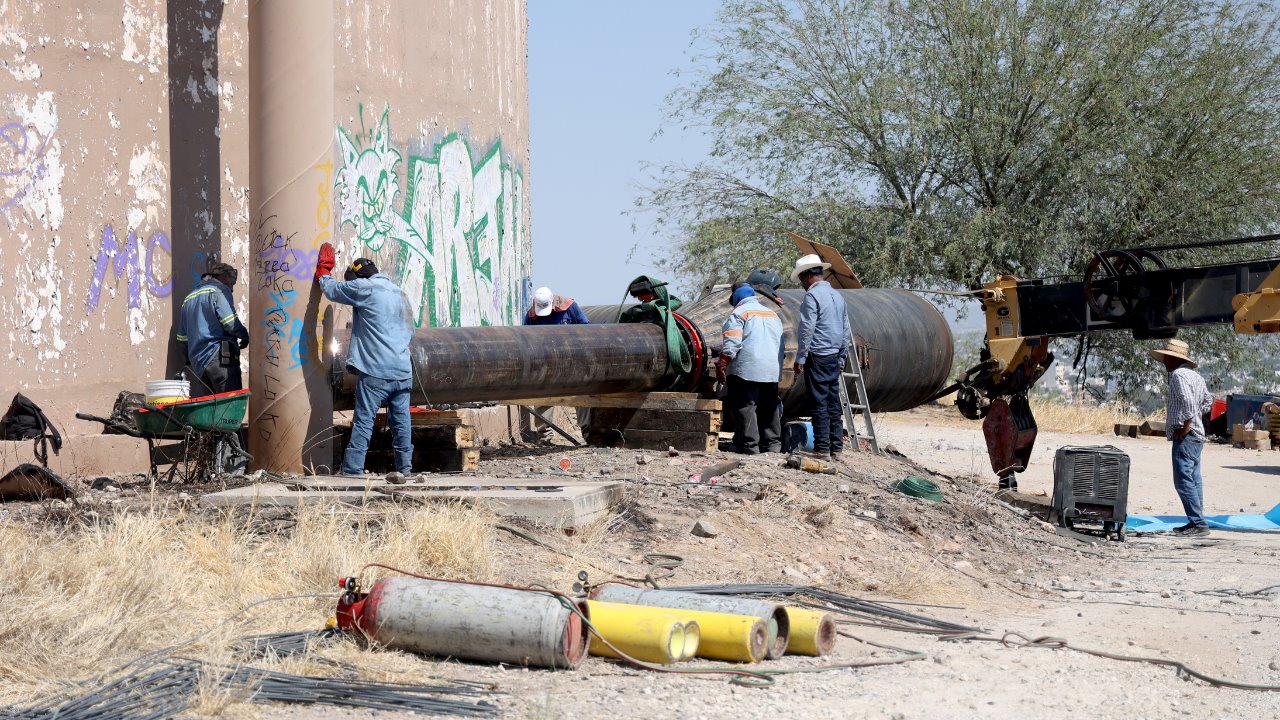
[[158, 289], [123, 259], [12, 133], [126, 260]]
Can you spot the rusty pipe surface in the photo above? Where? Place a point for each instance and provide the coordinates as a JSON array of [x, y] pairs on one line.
[[479, 364], [904, 340]]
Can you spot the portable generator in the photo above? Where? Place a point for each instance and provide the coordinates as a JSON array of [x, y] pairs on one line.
[[1091, 485]]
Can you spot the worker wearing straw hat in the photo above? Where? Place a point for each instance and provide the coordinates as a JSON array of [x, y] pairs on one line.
[[1188, 400], [824, 339]]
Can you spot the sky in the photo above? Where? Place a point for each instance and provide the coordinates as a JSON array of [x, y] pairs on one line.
[[599, 73]]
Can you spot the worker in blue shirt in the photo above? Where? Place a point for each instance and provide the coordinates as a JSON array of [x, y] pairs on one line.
[[551, 309], [381, 330], [210, 334], [750, 366], [824, 340]]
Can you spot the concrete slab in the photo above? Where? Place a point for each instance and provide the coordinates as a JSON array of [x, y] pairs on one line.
[[544, 502], [282, 495], [337, 482]]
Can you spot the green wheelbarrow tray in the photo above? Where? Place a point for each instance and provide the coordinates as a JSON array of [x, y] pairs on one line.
[[223, 412]]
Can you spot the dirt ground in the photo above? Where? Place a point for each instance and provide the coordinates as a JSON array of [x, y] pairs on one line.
[[1211, 603]]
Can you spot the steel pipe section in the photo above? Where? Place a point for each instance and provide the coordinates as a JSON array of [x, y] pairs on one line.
[[481, 364], [905, 342]]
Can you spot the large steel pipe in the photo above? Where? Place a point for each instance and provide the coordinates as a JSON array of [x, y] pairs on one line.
[[479, 364], [904, 340]]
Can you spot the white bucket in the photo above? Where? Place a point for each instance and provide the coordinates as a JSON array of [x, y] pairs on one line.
[[166, 390]]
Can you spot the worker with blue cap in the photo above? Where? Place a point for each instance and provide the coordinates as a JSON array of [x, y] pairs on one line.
[[750, 366]]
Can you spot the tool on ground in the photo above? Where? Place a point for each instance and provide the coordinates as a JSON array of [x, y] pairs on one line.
[[778, 625], [1091, 485], [799, 462]]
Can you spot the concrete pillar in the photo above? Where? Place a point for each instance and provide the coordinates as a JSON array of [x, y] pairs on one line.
[[291, 135]]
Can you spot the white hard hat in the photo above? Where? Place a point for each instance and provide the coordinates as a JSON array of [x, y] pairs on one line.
[[542, 301], [808, 262]]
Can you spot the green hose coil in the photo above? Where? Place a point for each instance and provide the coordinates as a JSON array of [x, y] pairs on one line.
[[918, 487]]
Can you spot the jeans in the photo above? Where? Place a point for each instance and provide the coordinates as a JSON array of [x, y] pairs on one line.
[[371, 393], [822, 379], [1186, 477], [756, 417]]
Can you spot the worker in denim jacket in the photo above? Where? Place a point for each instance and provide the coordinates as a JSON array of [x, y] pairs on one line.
[[379, 356], [750, 366], [823, 343]]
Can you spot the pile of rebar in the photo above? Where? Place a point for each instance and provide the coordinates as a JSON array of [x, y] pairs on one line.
[[838, 603], [168, 686]]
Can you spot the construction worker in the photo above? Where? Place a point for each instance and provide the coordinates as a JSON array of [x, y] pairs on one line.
[[551, 309], [381, 330], [210, 334], [823, 342], [750, 366], [1188, 400]]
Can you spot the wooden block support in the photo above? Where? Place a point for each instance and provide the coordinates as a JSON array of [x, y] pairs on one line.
[[1124, 430], [1152, 427], [652, 439], [424, 418], [639, 401], [674, 420]]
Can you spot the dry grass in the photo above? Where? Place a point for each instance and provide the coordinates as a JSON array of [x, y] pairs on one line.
[[1085, 417], [83, 600]]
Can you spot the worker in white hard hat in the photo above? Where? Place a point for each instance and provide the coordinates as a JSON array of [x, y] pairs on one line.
[[551, 309], [823, 342]]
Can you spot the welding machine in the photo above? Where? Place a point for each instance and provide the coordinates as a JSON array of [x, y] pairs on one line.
[[1091, 485]]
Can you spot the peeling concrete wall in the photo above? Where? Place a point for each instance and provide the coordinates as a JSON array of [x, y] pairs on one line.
[[122, 171]]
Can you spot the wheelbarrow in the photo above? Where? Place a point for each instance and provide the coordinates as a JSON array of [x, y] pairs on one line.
[[207, 428]]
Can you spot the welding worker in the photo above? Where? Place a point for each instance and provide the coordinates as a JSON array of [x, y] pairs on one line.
[[1188, 400], [750, 366], [381, 330], [823, 342], [551, 309], [210, 334]]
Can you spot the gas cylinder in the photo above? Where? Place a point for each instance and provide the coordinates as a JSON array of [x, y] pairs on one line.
[[484, 623], [774, 616]]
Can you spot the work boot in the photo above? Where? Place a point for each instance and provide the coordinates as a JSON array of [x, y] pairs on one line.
[[815, 454], [1193, 531], [1182, 528]]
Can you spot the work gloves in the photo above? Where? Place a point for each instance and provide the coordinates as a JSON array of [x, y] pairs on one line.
[[325, 261], [722, 369]]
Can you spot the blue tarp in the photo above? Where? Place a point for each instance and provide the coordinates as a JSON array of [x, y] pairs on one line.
[[1164, 523]]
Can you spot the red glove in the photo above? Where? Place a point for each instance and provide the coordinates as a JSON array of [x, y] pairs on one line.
[[722, 368], [325, 261]]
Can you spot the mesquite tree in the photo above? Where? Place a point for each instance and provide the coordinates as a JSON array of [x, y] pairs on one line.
[[937, 143]]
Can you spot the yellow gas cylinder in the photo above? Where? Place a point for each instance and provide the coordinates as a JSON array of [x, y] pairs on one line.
[[813, 632], [655, 635]]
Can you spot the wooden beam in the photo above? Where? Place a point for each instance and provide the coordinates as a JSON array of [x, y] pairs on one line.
[[677, 420], [653, 439], [645, 401]]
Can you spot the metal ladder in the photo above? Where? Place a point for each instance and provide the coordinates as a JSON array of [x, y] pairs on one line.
[[852, 371]]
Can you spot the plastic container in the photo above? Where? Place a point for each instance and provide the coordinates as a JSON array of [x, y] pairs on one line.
[[797, 435], [167, 391]]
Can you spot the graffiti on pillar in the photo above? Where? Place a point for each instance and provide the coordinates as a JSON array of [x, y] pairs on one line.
[[132, 262], [454, 238], [279, 267]]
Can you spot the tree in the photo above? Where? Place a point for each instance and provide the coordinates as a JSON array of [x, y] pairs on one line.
[[940, 142]]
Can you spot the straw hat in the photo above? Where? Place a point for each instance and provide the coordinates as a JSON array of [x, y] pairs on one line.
[[1175, 349], [808, 262]]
